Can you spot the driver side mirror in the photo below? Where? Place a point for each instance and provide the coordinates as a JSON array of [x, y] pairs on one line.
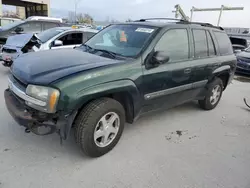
[[19, 30], [57, 43], [160, 57]]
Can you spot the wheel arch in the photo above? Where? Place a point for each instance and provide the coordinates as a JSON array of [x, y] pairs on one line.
[[124, 91], [223, 73]]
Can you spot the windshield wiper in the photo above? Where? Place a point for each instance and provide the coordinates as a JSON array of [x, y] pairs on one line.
[[86, 46], [112, 54], [91, 50]]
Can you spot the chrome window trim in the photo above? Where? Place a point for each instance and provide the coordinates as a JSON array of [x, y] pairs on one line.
[[23, 95]]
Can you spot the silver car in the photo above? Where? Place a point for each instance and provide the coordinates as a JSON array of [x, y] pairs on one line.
[[55, 38]]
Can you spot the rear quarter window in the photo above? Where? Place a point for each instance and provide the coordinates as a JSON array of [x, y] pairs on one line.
[[225, 46]]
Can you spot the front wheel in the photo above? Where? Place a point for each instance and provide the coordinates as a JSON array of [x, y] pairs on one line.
[[99, 126], [213, 95]]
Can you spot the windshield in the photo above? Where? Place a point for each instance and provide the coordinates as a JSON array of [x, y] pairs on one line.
[[124, 40], [10, 26], [48, 34]]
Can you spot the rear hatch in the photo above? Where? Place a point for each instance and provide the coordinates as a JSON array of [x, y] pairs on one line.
[[238, 43]]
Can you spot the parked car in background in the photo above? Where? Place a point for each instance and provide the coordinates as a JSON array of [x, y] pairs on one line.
[[124, 71], [5, 21], [243, 62], [54, 38], [44, 18], [238, 44], [27, 26]]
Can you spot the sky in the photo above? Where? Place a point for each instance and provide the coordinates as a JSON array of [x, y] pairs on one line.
[[122, 10], [135, 9]]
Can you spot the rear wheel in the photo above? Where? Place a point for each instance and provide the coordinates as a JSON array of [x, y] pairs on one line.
[[99, 126], [213, 95]]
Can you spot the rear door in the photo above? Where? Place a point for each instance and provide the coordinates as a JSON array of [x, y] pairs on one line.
[[30, 27], [170, 84], [204, 57], [49, 25]]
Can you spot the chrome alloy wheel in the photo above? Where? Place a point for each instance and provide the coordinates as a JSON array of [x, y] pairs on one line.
[[106, 129], [216, 93]]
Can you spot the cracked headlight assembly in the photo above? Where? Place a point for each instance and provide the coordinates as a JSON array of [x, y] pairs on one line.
[[47, 95]]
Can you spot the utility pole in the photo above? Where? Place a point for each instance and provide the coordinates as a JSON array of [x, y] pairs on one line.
[[76, 4], [221, 9]]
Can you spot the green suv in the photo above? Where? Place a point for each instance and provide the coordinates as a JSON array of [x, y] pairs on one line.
[[122, 72]]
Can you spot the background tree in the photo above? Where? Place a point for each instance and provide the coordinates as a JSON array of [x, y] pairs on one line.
[[80, 18], [129, 20], [84, 18]]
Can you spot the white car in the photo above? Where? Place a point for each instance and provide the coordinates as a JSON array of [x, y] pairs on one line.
[[55, 38], [5, 21], [60, 20]]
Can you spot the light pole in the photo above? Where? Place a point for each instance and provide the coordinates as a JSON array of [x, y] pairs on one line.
[[76, 3]]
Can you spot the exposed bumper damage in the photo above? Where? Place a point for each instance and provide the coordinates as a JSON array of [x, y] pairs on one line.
[[17, 45], [38, 122]]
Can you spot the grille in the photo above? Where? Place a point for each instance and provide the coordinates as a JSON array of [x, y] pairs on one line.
[[19, 82]]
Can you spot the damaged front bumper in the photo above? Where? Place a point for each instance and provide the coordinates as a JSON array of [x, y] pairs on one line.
[[7, 63], [38, 122]]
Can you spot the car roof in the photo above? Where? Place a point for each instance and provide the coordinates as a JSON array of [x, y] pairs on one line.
[[80, 29], [47, 21], [171, 23]]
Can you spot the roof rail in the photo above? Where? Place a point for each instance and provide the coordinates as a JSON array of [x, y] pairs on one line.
[[201, 24], [146, 19]]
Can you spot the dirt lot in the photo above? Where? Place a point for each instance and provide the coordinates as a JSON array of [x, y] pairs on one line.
[[180, 148]]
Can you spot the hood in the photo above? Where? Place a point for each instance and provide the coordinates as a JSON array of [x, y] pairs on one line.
[[19, 41], [44, 67], [244, 54]]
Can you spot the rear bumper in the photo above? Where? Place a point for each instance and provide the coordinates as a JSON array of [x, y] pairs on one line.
[[32, 119]]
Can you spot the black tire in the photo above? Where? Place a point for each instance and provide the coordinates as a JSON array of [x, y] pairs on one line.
[[206, 103], [87, 120]]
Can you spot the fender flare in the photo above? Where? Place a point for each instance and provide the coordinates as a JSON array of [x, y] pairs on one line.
[[86, 95], [222, 69], [108, 88]]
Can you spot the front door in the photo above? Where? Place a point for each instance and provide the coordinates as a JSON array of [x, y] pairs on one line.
[[70, 40], [170, 83]]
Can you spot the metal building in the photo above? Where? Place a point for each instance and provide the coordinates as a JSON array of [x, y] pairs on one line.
[[27, 8]]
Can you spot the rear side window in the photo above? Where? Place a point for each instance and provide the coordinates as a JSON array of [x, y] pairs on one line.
[[87, 36], [50, 25], [225, 45], [31, 27], [211, 48], [200, 43], [175, 42]]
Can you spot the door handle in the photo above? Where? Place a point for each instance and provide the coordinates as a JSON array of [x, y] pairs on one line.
[[187, 71]]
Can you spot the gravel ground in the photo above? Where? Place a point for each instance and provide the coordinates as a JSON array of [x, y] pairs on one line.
[[184, 147]]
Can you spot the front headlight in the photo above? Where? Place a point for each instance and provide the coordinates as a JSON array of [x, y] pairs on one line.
[[46, 94]]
